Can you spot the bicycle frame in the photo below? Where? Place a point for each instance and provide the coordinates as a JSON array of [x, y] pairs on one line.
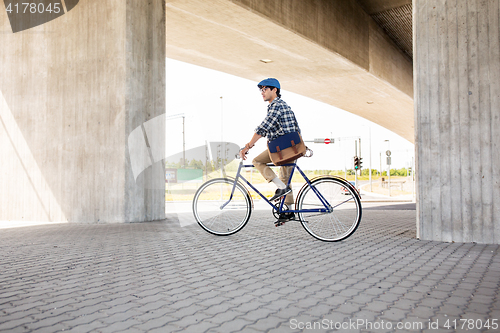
[[327, 207]]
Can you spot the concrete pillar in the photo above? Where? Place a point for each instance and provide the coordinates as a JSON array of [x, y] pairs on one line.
[[72, 92], [457, 109]]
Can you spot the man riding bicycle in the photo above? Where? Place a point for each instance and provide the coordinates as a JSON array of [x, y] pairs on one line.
[[279, 121]]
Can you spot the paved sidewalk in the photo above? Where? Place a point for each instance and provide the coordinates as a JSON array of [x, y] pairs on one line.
[[161, 277]]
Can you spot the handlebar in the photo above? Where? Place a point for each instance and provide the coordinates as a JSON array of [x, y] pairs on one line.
[[237, 156]]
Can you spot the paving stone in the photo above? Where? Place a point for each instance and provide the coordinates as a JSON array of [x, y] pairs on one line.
[[423, 311], [414, 295], [94, 326], [289, 312], [394, 314], [96, 303], [432, 302], [160, 277], [219, 308], [388, 297], [165, 328], [257, 314], [485, 299], [362, 285], [335, 301], [270, 297], [224, 317], [319, 309], [57, 327], [372, 280], [120, 309], [377, 306], [236, 325], [283, 328], [84, 319], [120, 326], [451, 310], [204, 326], [249, 306], [362, 299], [337, 287], [267, 324], [132, 330], [349, 292], [478, 307], [212, 301], [463, 293], [375, 291], [307, 303], [191, 320], [13, 324], [366, 315], [24, 307], [404, 304], [121, 316], [349, 308], [459, 301]]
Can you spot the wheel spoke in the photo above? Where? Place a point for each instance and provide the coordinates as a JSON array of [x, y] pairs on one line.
[[344, 218], [208, 201]]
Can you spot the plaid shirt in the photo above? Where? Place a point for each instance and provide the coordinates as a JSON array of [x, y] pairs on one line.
[[279, 121]]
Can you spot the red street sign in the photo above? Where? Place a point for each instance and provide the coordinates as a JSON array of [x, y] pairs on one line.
[[327, 141]]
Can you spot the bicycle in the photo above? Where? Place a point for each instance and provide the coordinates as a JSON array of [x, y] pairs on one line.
[[328, 207]]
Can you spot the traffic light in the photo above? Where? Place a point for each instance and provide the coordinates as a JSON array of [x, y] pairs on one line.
[[356, 163]]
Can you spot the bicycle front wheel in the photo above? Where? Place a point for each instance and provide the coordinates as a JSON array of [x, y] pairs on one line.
[[218, 213], [344, 209]]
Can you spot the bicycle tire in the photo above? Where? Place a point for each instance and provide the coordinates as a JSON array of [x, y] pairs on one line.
[[344, 217], [207, 203]]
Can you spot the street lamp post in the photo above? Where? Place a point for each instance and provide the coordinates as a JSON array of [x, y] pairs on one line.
[[380, 169], [184, 141], [222, 145], [388, 166], [181, 115], [370, 166]]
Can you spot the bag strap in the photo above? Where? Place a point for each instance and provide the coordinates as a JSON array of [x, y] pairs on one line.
[[279, 152], [294, 148]]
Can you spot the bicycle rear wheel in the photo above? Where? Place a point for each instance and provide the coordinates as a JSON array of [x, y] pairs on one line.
[[344, 209], [208, 207]]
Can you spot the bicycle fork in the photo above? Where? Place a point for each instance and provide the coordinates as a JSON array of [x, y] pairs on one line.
[[234, 187]]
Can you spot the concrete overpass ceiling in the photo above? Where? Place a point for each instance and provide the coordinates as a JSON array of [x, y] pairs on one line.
[[329, 51], [395, 17]]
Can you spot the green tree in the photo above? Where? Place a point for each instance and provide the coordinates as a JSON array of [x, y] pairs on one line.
[[196, 164], [174, 165], [399, 172], [233, 166]]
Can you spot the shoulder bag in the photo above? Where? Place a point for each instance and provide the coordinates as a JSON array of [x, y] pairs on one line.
[[286, 148]]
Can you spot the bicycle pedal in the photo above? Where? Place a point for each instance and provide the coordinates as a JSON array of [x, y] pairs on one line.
[[278, 223]]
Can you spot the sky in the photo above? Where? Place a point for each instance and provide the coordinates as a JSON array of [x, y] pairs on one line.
[[222, 107]]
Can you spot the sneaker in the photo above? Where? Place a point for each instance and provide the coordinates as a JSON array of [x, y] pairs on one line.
[[281, 192], [283, 218]]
